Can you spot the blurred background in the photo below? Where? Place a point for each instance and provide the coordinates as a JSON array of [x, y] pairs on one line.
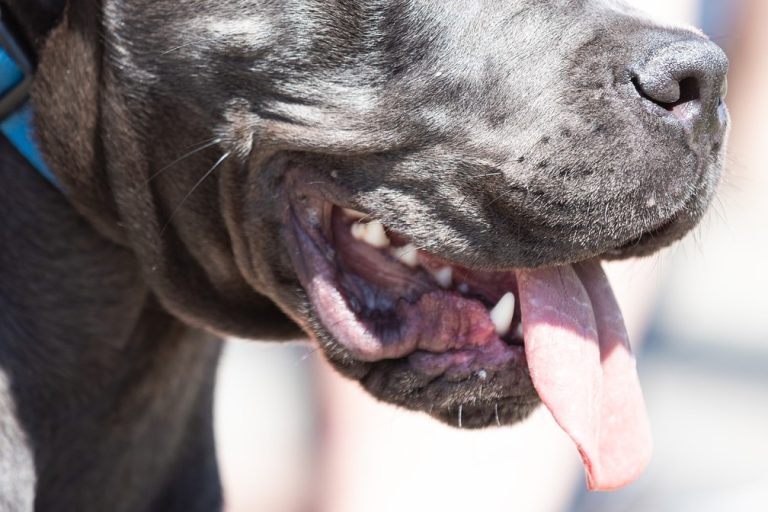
[[294, 437]]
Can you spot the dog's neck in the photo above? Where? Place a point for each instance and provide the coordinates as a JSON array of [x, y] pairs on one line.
[[81, 335], [105, 329]]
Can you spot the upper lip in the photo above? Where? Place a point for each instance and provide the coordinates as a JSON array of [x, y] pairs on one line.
[[653, 233]]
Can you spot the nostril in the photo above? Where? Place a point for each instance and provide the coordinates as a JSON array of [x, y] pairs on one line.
[[683, 81], [689, 91], [681, 98], [671, 94]]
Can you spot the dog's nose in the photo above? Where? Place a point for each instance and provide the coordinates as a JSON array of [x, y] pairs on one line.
[[687, 79]]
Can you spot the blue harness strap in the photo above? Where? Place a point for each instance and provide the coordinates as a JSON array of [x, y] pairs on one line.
[[15, 108]]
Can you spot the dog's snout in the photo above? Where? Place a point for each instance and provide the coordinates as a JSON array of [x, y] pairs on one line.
[[685, 78]]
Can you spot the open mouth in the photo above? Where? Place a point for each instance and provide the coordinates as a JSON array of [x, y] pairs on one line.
[[387, 300], [381, 298]]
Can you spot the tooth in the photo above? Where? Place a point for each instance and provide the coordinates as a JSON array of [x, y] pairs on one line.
[[371, 233], [408, 255], [502, 313], [353, 214], [358, 231], [444, 277], [519, 331], [463, 288], [376, 236]]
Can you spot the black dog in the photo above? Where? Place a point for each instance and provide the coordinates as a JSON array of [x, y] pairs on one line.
[[214, 156]]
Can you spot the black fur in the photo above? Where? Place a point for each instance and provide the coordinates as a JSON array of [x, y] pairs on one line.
[[497, 134]]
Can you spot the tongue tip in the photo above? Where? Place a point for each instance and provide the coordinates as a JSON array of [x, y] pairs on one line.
[[609, 483], [623, 468], [607, 486]]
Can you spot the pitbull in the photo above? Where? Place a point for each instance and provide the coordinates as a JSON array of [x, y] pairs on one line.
[[424, 187]]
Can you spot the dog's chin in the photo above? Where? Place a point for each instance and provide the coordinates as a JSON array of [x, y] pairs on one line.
[[485, 399]]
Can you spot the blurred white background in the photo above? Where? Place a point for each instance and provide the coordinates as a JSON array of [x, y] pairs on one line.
[[293, 437]]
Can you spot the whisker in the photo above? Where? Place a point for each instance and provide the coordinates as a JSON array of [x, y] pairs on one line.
[[308, 355], [499, 197], [496, 412], [411, 251], [461, 410], [181, 46], [196, 185], [206, 145]]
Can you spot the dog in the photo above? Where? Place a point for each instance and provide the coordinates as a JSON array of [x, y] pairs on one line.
[[424, 187]]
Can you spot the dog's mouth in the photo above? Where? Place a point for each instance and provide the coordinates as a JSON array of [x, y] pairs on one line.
[[381, 298]]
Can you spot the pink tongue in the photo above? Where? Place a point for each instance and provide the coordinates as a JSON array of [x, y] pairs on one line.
[[583, 369]]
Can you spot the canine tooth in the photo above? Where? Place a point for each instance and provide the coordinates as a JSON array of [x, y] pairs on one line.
[[408, 255], [444, 277], [371, 233], [519, 331], [502, 313], [353, 214]]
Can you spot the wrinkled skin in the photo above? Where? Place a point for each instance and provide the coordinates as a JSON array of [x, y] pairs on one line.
[[495, 134]]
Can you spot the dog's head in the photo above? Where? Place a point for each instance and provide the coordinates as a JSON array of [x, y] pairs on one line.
[[379, 170]]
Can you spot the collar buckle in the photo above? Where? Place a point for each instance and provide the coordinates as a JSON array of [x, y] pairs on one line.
[[17, 61], [16, 73]]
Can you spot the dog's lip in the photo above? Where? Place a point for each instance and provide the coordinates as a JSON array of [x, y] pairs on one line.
[[659, 231], [431, 346], [662, 233]]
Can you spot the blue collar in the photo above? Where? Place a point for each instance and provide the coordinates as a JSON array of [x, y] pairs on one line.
[[16, 71]]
